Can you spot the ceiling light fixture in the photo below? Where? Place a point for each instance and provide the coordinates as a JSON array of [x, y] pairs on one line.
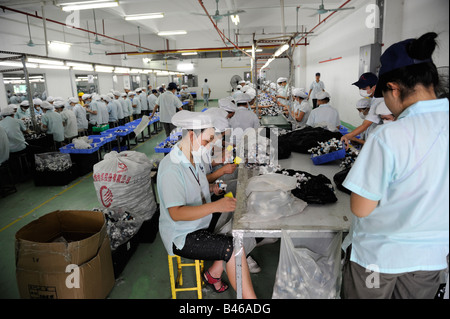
[[176, 32], [257, 50], [235, 19], [45, 61], [73, 6], [144, 16], [53, 66], [60, 45], [189, 53]]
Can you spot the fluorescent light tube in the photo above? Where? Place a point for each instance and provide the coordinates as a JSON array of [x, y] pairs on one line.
[[136, 71], [45, 61], [121, 70], [52, 66], [189, 53], [60, 45], [144, 16], [106, 69], [90, 5], [18, 64], [257, 50], [177, 32]]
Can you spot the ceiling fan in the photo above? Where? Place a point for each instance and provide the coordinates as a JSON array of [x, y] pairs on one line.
[[323, 10], [217, 16]]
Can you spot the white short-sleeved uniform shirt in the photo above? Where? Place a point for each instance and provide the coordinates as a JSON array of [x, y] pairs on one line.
[[405, 166], [21, 114], [94, 118], [112, 111], [14, 129], [324, 116], [151, 101], [103, 111], [168, 105], [54, 123], [4, 145], [120, 114], [179, 183], [124, 105], [304, 107], [205, 88], [316, 87], [144, 103], [70, 120], [80, 114]]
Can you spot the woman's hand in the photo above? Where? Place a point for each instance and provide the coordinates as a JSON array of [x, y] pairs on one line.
[[228, 168], [226, 204], [216, 189]]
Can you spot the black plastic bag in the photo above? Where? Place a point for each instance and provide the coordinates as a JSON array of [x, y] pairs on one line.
[[300, 141], [312, 189], [339, 179]]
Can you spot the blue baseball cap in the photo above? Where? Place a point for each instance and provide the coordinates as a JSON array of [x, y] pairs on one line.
[[366, 79], [396, 57]]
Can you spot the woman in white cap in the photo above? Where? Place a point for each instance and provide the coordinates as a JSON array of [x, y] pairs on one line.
[[301, 109], [37, 106], [23, 110], [316, 87], [324, 115], [282, 91], [400, 184], [69, 120], [186, 207], [80, 114], [123, 103], [52, 123], [14, 129], [116, 100], [103, 110]]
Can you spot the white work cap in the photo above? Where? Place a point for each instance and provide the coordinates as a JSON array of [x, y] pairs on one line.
[[138, 90], [117, 93], [95, 97], [238, 87], [251, 92], [50, 99], [73, 100], [242, 82], [85, 97], [227, 104], [107, 98], [216, 112], [37, 101], [243, 98], [273, 86], [14, 106], [46, 105], [299, 93], [323, 95], [131, 93], [281, 80], [221, 124], [363, 104], [110, 95], [7, 110], [25, 103], [193, 120], [58, 104], [382, 109], [123, 94]]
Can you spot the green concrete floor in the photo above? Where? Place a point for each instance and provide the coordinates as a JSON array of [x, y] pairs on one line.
[[146, 275]]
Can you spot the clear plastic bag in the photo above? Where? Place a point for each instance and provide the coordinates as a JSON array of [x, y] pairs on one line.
[[309, 268], [270, 198]]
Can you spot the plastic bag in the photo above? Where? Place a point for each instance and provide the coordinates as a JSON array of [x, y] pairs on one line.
[[270, 198], [309, 268], [300, 141], [122, 180]]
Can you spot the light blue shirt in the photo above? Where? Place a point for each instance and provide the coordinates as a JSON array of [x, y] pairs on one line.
[[4, 145], [168, 105], [177, 186], [324, 116], [20, 114], [93, 118], [54, 124], [137, 102], [405, 166], [112, 110], [14, 129], [143, 99]]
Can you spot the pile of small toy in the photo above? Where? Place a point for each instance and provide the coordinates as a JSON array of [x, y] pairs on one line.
[[330, 146]]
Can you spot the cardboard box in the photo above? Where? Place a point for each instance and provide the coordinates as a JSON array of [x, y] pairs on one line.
[[64, 255]]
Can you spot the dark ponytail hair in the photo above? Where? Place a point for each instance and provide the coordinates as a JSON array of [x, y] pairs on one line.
[[409, 76]]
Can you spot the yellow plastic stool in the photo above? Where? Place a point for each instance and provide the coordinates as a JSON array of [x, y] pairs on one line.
[[198, 264]]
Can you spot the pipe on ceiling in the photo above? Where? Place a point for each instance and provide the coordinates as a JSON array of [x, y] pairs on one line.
[[329, 16], [73, 27]]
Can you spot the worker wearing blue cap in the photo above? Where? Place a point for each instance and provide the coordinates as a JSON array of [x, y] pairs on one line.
[[398, 242]]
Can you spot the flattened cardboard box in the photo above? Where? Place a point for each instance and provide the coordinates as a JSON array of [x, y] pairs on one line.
[[64, 255]]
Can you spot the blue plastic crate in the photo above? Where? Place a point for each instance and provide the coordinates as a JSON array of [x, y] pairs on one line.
[[160, 149], [68, 149], [98, 139], [318, 160]]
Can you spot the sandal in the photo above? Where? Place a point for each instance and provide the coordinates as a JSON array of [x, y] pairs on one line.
[[210, 281]]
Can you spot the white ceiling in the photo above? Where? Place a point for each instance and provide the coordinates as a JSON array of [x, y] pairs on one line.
[[259, 15]]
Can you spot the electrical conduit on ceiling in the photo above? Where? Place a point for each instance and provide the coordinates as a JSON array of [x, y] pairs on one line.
[[73, 27]]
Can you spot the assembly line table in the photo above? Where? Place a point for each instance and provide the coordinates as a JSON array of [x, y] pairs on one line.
[[315, 221]]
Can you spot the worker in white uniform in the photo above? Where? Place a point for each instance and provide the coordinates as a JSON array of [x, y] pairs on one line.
[[400, 184], [167, 104], [103, 110], [186, 207], [129, 101], [367, 85], [282, 93], [80, 114], [152, 97], [52, 124], [69, 121], [316, 87], [206, 93], [4, 145], [144, 103], [14, 130], [324, 115], [243, 118], [136, 103], [112, 111], [124, 105], [23, 110], [120, 114], [301, 108], [37, 106]]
